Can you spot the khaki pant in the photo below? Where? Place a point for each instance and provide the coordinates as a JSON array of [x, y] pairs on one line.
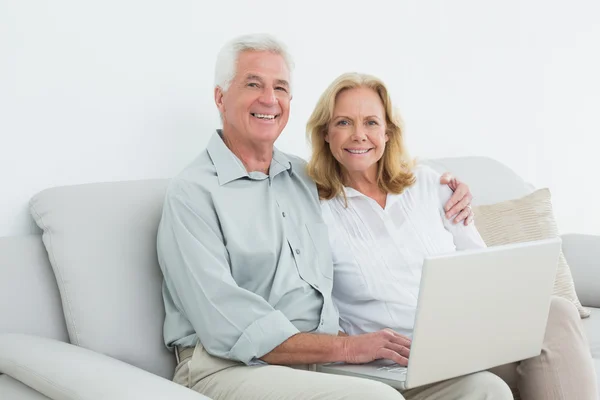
[[563, 371]]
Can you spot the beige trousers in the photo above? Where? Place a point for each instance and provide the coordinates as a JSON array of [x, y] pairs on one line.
[[564, 370]]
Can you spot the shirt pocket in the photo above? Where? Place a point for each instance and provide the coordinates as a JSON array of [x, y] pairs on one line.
[[319, 236]]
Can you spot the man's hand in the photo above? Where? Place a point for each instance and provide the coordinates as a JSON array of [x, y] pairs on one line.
[[460, 202], [374, 346]]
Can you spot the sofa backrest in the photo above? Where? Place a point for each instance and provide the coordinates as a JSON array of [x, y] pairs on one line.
[[29, 298], [101, 243], [489, 180]]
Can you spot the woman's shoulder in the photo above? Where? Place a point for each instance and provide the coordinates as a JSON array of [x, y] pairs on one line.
[[425, 175], [326, 211]]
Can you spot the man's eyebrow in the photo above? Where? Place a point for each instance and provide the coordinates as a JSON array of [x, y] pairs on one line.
[[282, 82], [252, 77]]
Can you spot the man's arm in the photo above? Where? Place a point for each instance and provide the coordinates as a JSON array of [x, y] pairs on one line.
[[230, 321], [308, 348], [459, 204]]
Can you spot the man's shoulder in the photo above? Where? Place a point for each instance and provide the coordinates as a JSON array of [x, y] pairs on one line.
[[199, 175], [296, 160], [298, 165]]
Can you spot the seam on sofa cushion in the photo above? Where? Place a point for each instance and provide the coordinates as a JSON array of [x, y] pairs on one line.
[[58, 275], [62, 389]]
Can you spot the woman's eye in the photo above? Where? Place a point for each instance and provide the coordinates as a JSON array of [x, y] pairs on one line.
[[372, 123], [342, 122]]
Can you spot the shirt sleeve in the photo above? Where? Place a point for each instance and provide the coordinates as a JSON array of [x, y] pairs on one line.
[[231, 322], [465, 237]]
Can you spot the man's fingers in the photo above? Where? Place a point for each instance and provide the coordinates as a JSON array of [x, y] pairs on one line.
[[446, 178], [463, 215], [460, 205], [392, 355], [398, 338], [457, 196], [402, 350], [401, 340], [470, 218]]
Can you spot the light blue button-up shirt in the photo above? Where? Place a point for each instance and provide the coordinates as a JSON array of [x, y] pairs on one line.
[[245, 256]]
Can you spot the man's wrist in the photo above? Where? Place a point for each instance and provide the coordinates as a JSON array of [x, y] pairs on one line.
[[340, 348]]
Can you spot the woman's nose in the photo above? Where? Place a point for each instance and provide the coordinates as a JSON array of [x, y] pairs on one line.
[[359, 135]]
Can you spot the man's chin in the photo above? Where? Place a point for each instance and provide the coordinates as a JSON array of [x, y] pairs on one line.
[[266, 134]]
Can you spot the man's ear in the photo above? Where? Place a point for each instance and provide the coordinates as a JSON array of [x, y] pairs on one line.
[[219, 94]]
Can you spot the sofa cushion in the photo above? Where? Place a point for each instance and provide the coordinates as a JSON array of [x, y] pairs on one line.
[[29, 298], [526, 219], [592, 330], [11, 389], [101, 242]]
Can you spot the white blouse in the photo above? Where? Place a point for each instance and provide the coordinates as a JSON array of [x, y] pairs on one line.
[[378, 253]]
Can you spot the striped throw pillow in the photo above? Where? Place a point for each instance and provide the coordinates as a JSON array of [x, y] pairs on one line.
[[522, 220]]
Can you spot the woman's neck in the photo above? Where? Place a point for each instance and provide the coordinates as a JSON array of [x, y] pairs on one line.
[[366, 183]]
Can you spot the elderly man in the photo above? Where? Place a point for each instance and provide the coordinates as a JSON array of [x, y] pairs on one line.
[[246, 263]]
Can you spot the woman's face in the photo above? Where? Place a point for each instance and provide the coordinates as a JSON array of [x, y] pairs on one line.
[[357, 131]]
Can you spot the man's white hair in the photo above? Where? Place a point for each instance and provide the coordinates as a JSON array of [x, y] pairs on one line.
[[229, 54]]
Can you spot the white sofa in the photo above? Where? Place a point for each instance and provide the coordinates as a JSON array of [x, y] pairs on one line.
[[81, 310]]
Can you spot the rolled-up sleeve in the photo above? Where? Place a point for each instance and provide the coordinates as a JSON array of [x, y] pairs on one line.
[[231, 322]]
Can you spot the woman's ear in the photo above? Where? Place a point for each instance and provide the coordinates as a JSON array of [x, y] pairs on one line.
[[326, 137]]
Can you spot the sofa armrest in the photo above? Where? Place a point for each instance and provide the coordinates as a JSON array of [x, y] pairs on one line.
[[583, 256], [62, 371]]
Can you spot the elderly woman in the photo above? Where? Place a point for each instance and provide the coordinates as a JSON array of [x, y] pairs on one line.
[[385, 215]]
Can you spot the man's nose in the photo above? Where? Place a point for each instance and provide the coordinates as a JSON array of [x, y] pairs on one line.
[[267, 96]]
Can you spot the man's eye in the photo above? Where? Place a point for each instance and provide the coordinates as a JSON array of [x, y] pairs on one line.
[[252, 84]]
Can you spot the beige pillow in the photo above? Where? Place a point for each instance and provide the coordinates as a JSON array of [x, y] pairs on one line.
[[525, 219]]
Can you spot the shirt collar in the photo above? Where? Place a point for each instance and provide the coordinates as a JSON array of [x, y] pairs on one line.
[[229, 167], [279, 163], [351, 192], [390, 200]]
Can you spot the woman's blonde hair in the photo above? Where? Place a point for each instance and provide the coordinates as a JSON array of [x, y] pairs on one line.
[[394, 171]]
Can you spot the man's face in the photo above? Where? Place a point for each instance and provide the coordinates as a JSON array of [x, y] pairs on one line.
[[256, 106]]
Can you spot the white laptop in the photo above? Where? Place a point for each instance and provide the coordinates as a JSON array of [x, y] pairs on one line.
[[476, 309]]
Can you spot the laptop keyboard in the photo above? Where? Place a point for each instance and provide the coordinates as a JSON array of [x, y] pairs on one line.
[[393, 368]]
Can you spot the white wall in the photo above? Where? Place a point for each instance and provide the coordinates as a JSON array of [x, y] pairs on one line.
[[122, 89]]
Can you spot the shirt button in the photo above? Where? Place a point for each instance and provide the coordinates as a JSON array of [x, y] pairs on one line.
[[322, 323], [297, 251], [283, 214]]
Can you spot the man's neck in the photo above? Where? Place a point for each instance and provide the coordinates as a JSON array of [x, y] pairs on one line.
[[254, 156]]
